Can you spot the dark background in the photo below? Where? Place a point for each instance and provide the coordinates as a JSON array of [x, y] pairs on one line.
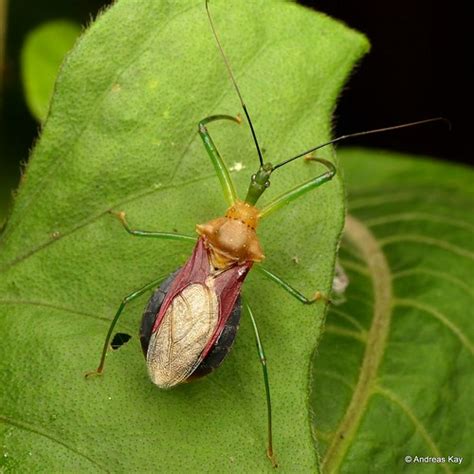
[[420, 66]]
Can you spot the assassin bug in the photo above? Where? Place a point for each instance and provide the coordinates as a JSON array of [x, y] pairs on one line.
[[191, 320]]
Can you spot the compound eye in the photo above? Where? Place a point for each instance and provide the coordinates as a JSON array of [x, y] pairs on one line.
[[267, 184]]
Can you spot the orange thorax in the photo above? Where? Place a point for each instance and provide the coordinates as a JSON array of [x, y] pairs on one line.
[[232, 239]]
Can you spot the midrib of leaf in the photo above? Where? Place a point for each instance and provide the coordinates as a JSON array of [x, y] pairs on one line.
[[381, 279]]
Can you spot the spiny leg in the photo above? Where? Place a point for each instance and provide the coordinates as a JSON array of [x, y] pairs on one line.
[[219, 166], [302, 189], [125, 301], [292, 291], [263, 361], [146, 233]]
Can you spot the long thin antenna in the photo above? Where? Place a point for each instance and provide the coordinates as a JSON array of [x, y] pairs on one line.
[[231, 74], [359, 134]]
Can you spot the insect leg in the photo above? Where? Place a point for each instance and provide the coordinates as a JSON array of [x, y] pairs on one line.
[[125, 301], [263, 361], [292, 291], [298, 191], [219, 166], [147, 233]]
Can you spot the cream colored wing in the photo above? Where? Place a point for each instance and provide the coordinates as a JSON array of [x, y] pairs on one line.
[[175, 347]]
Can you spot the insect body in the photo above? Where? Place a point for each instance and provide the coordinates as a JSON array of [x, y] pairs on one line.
[[196, 318], [193, 315]]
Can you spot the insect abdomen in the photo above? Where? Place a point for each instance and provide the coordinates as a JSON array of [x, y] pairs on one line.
[[173, 351]]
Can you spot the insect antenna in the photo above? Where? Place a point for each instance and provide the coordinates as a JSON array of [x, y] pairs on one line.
[[359, 134], [234, 82]]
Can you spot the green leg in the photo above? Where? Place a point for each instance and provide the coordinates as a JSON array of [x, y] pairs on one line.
[[263, 361], [146, 233], [125, 301], [292, 291], [220, 167], [295, 193]]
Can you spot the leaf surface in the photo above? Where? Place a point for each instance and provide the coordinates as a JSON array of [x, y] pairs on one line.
[[393, 376], [121, 134]]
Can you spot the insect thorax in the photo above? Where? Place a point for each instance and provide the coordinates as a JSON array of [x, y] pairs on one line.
[[232, 239]]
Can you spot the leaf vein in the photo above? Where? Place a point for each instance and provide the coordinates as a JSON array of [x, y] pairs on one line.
[[355, 267], [440, 317], [347, 317], [385, 197], [96, 217], [421, 239], [437, 274], [359, 336], [334, 375], [32, 429], [389, 395], [418, 216], [53, 306]]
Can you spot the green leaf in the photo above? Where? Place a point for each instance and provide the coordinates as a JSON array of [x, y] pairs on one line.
[[41, 57], [393, 376], [121, 134]]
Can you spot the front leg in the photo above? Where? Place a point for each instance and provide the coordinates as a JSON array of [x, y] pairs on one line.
[[220, 167], [301, 189]]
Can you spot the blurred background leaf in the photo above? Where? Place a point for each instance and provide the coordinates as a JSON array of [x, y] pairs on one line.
[[43, 52], [393, 375], [18, 127]]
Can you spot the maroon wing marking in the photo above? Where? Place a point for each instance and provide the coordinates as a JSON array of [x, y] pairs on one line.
[[227, 287], [195, 270]]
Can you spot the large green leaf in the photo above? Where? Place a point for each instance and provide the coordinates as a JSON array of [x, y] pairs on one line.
[[394, 372], [121, 134]]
